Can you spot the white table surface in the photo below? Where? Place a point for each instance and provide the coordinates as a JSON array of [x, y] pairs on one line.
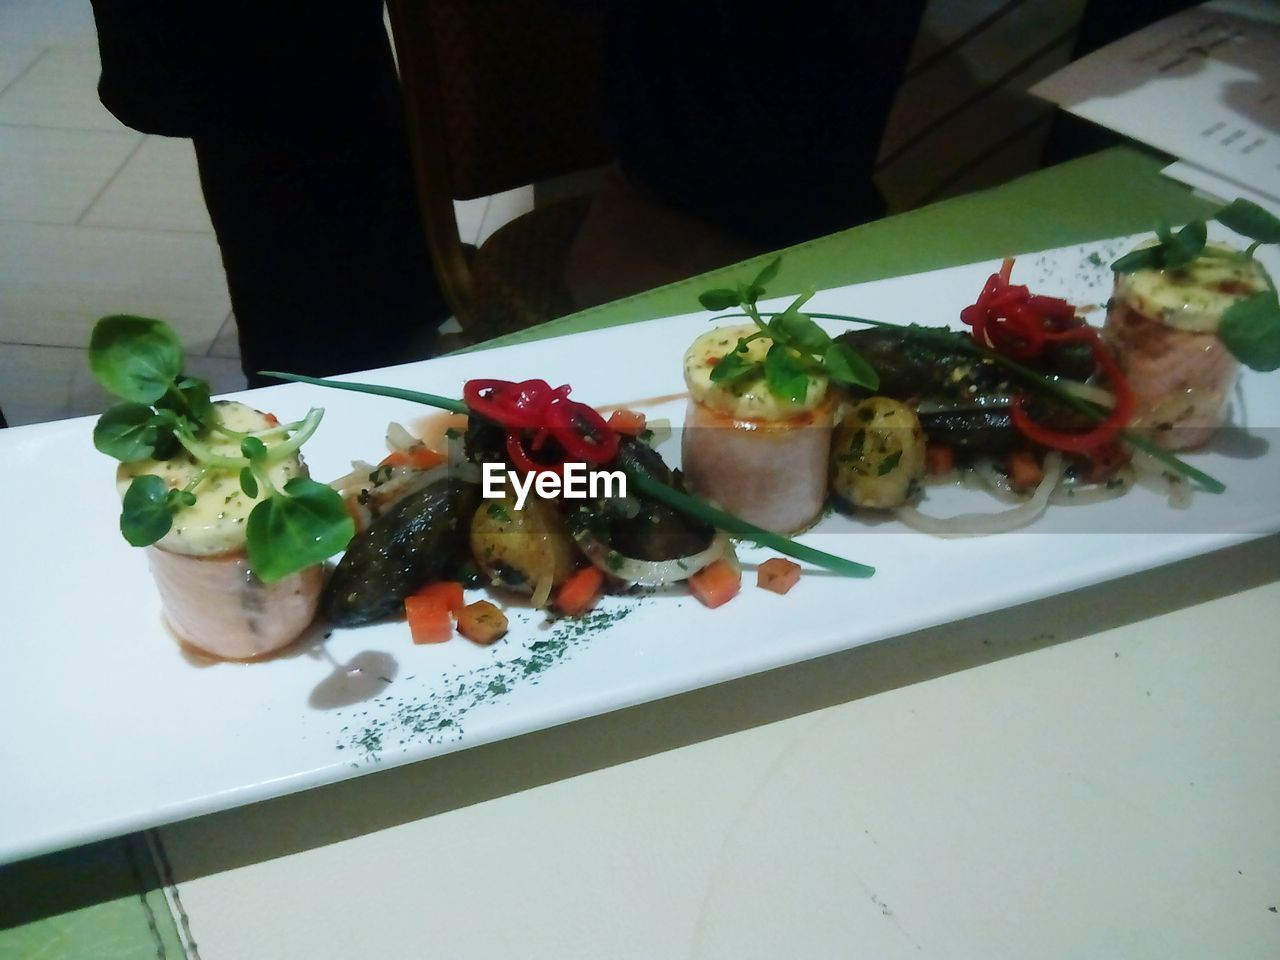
[[1092, 775]]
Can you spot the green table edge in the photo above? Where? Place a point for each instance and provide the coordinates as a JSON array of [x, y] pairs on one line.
[[102, 901], [1112, 193]]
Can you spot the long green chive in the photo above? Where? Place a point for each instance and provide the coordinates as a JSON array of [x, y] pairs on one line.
[[683, 502], [414, 396]]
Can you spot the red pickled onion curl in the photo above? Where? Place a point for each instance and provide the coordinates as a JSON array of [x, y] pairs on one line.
[[1009, 319]]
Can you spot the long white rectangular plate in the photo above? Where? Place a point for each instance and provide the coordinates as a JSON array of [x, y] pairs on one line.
[[106, 726]]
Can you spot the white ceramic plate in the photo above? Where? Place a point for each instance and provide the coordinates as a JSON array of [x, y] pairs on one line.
[[106, 727]]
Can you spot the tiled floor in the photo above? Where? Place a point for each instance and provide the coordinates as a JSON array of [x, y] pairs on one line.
[[96, 218]]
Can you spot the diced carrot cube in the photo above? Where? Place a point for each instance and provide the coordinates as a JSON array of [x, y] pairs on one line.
[[580, 592], [481, 622], [420, 457], [1024, 470], [448, 592], [629, 422], [424, 458], [716, 584], [778, 575], [429, 620], [939, 458]]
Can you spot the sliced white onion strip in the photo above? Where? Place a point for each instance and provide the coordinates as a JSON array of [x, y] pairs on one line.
[[1156, 477], [1086, 391], [970, 524], [952, 476], [467, 471], [651, 573], [659, 430], [731, 558], [400, 439], [390, 479], [456, 449], [1077, 493], [985, 474], [367, 501], [542, 591], [358, 477]]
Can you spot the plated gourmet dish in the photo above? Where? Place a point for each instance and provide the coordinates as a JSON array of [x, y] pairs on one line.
[[784, 419]]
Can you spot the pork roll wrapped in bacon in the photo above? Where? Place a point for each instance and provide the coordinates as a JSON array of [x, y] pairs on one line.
[[211, 598], [1162, 326], [757, 455]]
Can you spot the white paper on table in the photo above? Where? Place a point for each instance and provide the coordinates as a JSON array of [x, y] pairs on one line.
[[1217, 187], [1201, 85]]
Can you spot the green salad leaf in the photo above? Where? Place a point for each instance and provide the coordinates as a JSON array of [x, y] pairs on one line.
[[845, 365], [1185, 245], [797, 330], [165, 413], [734, 366], [721, 298], [1250, 220], [785, 374], [146, 513], [302, 525], [127, 431], [1172, 250], [1250, 329], [135, 358]]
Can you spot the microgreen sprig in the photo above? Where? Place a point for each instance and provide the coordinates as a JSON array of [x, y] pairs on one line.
[[165, 413], [1250, 327], [799, 348]]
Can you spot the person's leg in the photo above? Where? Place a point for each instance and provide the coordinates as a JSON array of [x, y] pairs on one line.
[[326, 262], [296, 118]]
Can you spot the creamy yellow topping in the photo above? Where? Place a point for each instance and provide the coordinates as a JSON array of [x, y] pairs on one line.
[[215, 524], [747, 398], [1193, 297]]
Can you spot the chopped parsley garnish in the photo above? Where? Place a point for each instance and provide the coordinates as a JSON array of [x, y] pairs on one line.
[[889, 463]]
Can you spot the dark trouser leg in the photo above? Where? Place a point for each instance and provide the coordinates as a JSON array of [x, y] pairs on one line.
[[326, 263], [295, 113]]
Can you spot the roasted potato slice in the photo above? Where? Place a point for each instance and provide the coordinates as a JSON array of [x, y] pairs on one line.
[[522, 548], [877, 454]]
